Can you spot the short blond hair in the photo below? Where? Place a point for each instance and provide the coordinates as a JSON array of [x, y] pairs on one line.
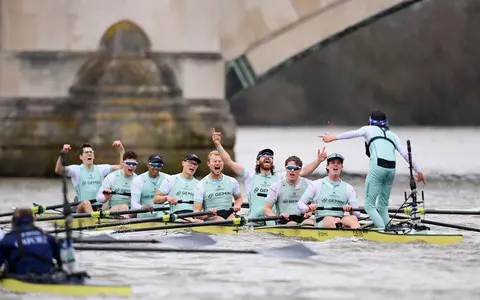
[[212, 153]]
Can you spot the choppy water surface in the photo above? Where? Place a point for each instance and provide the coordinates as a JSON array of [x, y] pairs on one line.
[[343, 268]]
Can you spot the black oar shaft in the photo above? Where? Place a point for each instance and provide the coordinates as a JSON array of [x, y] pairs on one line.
[[441, 224], [235, 221], [451, 225], [146, 249], [163, 219], [151, 241], [39, 209], [406, 211], [99, 214]]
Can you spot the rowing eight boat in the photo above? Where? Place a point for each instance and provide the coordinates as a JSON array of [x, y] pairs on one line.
[[303, 232]]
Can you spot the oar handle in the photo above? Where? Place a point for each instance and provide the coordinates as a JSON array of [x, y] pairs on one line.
[[116, 193], [338, 208]]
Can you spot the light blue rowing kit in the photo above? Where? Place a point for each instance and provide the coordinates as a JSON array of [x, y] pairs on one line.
[[328, 193], [182, 189], [217, 194], [256, 187], [284, 196], [87, 182], [119, 184], [380, 144], [144, 189]]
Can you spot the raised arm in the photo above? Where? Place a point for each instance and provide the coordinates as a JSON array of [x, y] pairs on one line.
[[59, 168], [311, 167], [227, 160], [327, 138], [121, 150]]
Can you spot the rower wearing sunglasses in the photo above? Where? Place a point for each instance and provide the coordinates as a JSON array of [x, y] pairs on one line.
[[331, 191], [258, 181], [87, 178], [146, 185], [284, 193], [181, 187], [380, 146], [116, 187], [216, 191]]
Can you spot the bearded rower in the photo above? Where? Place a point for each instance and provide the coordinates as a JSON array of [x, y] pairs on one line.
[[331, 191], [180, 187], [116, 187], [380, 146], [216, 191], [284, 193], [87, 178], [258, 181], [146, 185]]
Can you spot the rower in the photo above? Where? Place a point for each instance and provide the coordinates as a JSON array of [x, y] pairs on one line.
[[285, 193], [331, 191], [87, 177], [258, 181], [116, 187], [216, 191], [380, 146], [145, 185], [27, 249], [180, 186]]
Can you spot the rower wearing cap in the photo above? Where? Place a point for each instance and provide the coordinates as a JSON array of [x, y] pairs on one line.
[[116, 187], [180, 186], [258, 181], [284, 193], [146, 185], [27, 250], [380, 146], [331, 191], [216, 191], [87, 178]]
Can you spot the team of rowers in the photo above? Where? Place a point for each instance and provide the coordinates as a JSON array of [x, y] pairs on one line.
[[295, 199], [287, 194]]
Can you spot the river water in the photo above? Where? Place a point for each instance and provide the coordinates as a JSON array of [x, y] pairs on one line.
[[343, 268]]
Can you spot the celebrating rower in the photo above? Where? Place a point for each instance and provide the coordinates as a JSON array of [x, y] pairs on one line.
[[257, 182], [116, 187], [87, 177], [286, 192], [380, 146], [27, 250], [331, 191], [180, 186], [146, 185], [216, 191]]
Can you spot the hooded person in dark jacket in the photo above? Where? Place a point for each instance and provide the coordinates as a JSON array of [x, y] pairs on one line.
[[27, 249]]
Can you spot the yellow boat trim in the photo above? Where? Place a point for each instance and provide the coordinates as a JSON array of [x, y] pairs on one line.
[[317, 234], [92, 288]]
